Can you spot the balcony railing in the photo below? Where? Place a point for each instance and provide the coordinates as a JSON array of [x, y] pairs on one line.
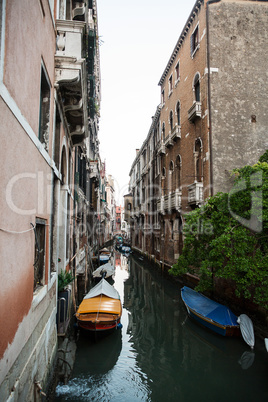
[[195, 111], [144, 170], [169, 202], [195, 194], [176, 133], [160, 205], [168, 141], [93, 169], [161, 148], [71, 77]]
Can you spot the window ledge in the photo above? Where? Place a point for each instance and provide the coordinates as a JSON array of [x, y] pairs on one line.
[[39, 295]]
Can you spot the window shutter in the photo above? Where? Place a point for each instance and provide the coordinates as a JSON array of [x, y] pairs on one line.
[[192, 44]]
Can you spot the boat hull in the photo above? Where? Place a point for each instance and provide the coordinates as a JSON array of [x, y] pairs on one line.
[[100, 325], [102, 312], [214, 326], [209, 313]]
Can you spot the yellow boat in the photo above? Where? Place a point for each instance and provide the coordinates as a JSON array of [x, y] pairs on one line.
[[101, 308]]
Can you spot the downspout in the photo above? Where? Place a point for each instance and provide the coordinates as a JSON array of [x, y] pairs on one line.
[[209, 99]]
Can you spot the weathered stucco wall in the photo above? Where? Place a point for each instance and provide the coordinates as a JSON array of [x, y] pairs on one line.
[[239, 89]]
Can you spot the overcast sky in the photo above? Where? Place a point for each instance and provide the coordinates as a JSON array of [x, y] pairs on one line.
[[137, 39]]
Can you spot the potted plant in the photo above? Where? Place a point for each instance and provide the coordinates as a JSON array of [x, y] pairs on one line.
[[64, 279]]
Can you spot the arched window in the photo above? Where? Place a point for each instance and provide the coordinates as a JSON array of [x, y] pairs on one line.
[[163, 131], [198, 160], [197, 87], [164, 172], [178, 111], [178, 172], [171, 120], [170, 176]]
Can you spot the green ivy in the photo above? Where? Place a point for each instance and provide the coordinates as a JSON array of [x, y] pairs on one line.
[[228, 236]]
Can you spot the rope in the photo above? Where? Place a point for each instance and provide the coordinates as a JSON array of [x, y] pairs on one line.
[[14, 232]]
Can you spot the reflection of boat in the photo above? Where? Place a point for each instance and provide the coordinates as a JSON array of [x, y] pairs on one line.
[[100, 309], [104, 271], [209, 313]]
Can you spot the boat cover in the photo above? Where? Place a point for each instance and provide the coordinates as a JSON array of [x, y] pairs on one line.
[[100, 304], [103, 288], [207, 307], [109, 268]]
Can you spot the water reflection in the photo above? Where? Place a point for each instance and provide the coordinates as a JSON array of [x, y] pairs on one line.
[[161, 354]]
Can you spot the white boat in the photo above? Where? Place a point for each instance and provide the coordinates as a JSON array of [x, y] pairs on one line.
[[104, 271], [246, 328]]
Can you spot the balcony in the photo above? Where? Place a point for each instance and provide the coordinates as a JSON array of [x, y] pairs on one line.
[[195, 194], [176, 133], [93, 170], [161, 149], [71, 77], [168, 141], [160, 205], [172, 201], [194, 112], [144, 170]]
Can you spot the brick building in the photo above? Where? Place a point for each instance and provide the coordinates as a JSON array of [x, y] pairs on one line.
[[212, 118]]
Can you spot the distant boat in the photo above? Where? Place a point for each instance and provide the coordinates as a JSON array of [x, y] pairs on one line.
[[125, 249], [104, 256], [209, 313], [101, 308], [104, 271]]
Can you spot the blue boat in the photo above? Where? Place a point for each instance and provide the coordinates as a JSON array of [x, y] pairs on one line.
[[209, 313]]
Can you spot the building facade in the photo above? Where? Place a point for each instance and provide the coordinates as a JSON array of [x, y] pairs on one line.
[[50, 178], [211, 119]]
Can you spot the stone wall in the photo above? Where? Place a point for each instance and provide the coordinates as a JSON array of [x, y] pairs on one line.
[[239, 96]]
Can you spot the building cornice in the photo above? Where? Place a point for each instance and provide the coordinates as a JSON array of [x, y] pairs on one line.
[[180, 41]]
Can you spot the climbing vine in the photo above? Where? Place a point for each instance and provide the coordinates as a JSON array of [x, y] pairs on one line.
[[228, 236]]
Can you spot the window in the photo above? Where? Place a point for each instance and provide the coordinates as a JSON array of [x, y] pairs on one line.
[[171, 120], [39, 257], [198, 160], [197, 87], [163, 97], [178, 172], [177, 72], [164, 172], [163, 131], [44, 115], [195, 41], [178, 111], [170, 85]]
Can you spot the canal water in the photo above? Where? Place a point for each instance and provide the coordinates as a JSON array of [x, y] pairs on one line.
[[160, 354]]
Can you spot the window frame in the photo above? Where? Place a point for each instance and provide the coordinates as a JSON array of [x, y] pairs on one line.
[[194, 40], [44, 108]]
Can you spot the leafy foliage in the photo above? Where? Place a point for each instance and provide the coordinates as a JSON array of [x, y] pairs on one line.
[[228, 236], [64, 278]]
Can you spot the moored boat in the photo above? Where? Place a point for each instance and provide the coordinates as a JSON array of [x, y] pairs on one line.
[[101, 308], [209, 313], [104, 271]]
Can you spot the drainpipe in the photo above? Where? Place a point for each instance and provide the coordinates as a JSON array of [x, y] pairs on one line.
[[209, 98]]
